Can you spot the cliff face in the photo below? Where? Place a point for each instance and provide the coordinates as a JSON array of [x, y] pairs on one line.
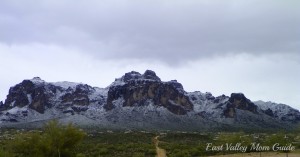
[[30, 93], [139, 100], [238, 101], [39, 95], [137, 89]]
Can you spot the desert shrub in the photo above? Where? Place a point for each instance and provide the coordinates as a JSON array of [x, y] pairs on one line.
[[4, 153], [138, 154], [55, 141]]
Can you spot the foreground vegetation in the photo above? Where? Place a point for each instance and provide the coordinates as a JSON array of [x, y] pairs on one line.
[[55, 140], [197, 144]]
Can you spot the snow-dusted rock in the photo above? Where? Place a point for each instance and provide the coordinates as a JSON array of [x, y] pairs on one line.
[[139, 101]]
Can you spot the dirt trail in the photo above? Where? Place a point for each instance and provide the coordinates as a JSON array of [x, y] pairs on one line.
[[160, 152]]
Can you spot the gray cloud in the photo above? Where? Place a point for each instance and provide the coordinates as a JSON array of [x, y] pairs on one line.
[[169, 31]]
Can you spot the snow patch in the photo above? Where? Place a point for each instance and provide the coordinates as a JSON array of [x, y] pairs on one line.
[[13, 103], [99, 93], [117, 82], [65, 84], [29, 98], [279, 110], [16, 110], [37, 80]]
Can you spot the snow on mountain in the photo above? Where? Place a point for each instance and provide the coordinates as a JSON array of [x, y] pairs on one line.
[[280, 111], [138, 101], [37, 80], [65, 84]]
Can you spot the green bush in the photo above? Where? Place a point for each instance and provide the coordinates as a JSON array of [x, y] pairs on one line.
[[55, 141], [4, 153], [80, 155], [103, 151]]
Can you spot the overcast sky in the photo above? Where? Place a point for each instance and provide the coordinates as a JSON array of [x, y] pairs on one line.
[[250, 46]]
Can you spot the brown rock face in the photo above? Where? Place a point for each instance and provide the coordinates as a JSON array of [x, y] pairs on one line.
[[18, 94], [40, 95], [40, 100], [136, 92], [238, 101], [28, 93]]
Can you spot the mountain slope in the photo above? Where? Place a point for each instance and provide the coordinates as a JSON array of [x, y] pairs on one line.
[[140, 101]]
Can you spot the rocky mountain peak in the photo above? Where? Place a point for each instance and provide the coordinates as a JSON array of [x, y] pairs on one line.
[[135, 98], [29, 92], [239, 101], [280, 111], [138, 89], [36, 80], [237, 96], [151, 75], [133, 75]]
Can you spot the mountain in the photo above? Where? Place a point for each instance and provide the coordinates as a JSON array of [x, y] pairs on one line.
[[139, 101]]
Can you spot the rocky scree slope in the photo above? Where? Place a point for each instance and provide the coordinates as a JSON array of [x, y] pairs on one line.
[[139, 101]]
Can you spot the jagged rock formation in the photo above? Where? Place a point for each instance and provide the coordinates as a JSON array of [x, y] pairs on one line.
[[279, 111], [30, 93], [139, 101], [39, 95], [238, 101], [137, 89]]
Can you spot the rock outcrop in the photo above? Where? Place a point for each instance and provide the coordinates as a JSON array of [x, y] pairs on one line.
[[136, 89], [40, 95], [279, 111], [33, 93], [238, 101]]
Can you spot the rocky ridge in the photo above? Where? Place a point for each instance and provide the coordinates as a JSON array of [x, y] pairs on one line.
[[140, 101]]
